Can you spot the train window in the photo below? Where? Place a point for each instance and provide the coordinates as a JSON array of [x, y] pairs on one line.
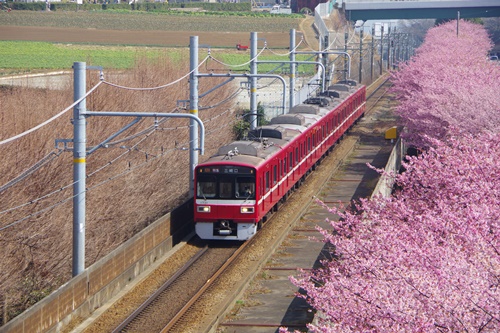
[[308, 144], [261, 186], [284, 166], [267, 181], [226, 188], [296, 155], [275, 174], [205, 187], [245, 187]]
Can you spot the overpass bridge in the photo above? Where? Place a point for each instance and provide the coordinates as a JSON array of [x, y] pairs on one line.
[[419, 9]]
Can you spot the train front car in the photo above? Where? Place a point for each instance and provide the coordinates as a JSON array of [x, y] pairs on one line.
[[225, 202], [225, 193]]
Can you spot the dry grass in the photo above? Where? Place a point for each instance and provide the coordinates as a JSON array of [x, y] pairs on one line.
[[124, 196]]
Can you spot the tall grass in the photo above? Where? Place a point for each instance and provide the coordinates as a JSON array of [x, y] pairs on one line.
[[141, 175]]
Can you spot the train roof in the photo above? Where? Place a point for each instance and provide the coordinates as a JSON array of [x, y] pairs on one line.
[[276, 131], [265, 141], [300, 119], [248, 152]]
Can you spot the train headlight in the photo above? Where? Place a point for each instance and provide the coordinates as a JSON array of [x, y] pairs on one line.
[[203, 209], [246, 210]]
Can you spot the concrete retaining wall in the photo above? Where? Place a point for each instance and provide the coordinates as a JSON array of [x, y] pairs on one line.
[[385, 183], [85, 293]]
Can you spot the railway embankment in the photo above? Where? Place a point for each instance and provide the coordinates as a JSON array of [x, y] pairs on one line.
[[100, 283]]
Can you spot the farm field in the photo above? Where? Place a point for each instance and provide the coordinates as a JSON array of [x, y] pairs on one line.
[[146, 29], [32, 41]]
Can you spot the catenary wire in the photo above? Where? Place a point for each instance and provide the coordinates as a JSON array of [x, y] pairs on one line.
[[53, 154], [286, 54], [157, 87], [50, 119], [239, 65]]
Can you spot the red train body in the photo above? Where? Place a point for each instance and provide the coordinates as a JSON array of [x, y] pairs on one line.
[[237, 188]]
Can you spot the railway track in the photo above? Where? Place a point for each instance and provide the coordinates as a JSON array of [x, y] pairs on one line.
[[199, 292], [162, 310], [166, 308], [377, 91]]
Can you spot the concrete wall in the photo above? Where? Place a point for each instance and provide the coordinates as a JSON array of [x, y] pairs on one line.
[[385, 183], [85, 293]]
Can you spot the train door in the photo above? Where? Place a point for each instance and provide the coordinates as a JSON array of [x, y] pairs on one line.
[[296, 164], [308, 151], [276, 191], [267, 188]]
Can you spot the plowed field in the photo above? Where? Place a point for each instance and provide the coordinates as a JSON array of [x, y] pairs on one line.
[[138, 38], [143, 29]]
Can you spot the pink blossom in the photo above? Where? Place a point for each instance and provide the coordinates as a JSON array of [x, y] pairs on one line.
[[426, 259]]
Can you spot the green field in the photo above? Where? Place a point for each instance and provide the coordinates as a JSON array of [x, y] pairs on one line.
[[44, 55], [20, 56]]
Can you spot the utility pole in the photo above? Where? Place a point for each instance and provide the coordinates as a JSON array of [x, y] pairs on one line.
[[372, 54], [381, 49], [389, 47], [193, 109], [79, 167], [293, 67], [253, 80], [361, 56], [346, 36]]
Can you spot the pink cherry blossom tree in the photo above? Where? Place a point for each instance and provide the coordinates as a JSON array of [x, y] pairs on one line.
[[450, 83], [426, 259]]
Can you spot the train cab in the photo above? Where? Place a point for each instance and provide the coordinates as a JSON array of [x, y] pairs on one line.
[[225, 198]]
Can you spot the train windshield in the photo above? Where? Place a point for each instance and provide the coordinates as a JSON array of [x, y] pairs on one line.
[[206, 187], [224, 186]]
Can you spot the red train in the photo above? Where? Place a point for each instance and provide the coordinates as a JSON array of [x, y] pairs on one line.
[[239, 187]]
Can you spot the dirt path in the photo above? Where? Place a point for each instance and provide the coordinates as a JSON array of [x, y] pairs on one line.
[[306, 26]]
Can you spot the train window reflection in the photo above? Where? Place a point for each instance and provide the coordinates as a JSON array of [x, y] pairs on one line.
[[225, 188], [206, 187], [245, 187]]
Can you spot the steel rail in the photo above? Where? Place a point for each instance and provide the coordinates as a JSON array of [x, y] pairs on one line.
[[173, 322], [155, 295], [384, 81]]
